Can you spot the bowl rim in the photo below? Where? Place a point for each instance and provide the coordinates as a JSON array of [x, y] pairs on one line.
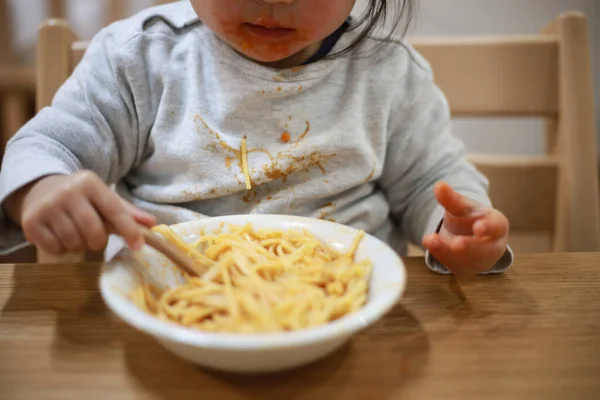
[[344, 327]]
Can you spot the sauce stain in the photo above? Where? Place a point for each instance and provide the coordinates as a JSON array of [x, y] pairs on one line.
[[279, 167], [276, 171], [301, 138], [326, 211], [249, 196], [371, 174], [235, 154], [261, 150]]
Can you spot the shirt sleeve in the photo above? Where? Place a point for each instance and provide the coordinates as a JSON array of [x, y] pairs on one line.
[[421, 152], [92, 124]]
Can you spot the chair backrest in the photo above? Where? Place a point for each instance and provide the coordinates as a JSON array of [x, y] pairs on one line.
[[546, 75], [116, 10], [59, 51]]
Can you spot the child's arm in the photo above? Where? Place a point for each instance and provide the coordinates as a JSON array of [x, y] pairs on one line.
[[421, 153], [92, 125]]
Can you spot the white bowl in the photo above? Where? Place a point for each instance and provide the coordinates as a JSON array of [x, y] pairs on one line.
[[253, 353]]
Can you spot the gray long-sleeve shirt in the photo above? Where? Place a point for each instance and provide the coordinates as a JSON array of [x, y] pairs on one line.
[[159, 106]]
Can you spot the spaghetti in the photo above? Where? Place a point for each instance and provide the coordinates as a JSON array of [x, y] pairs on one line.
[[259, 282], [244, 156]]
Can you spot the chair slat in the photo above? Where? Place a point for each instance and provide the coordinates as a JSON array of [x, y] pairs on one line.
[[523, 188], [496, 76]]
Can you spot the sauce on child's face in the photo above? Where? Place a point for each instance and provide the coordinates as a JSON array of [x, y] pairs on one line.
[[272, 30]]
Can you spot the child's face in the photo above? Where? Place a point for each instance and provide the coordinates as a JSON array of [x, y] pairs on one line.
[[272, 30]]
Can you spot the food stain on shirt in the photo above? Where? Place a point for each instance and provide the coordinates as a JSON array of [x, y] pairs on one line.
[[235, 154], [211, 147], [249, 196], [279, 167], [371, 175], [276, 170], [326, 211], [306, 131], [187, 194]]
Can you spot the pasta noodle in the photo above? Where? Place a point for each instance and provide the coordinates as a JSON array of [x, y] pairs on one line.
[[244, 155], [259, 282]]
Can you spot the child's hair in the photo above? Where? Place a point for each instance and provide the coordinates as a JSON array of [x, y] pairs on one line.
[[395, 15]]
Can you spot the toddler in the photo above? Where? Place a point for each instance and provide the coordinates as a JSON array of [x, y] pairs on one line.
[[217, 107]]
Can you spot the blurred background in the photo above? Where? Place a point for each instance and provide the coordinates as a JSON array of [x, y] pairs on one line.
[[504, 17], [435, 17]]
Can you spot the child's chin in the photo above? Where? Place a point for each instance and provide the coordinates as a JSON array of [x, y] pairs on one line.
[[266, 58], [269, 54]]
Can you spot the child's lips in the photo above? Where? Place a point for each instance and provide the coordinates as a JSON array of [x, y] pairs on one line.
[[271, 32]]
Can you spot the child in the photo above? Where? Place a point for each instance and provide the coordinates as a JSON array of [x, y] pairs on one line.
[[212, 107]]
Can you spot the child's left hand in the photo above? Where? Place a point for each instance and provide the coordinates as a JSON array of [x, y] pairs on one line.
[[473, 237]]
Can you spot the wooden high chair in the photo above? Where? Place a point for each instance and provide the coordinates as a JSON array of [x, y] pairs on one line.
[[116, 9], [17, 81], [552, 201]]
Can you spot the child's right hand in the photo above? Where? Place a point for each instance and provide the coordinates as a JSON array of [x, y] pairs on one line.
[[61, 213]]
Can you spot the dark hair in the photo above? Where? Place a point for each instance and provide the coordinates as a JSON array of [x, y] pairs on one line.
[[395, 16]]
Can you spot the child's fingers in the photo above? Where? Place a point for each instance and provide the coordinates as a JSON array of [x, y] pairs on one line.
[[476, 251], [140, 216], [493, 224], [453, 202], [440, 249], [464, 255], [43, 237], [90, 224], [112, 210], [65, 230]]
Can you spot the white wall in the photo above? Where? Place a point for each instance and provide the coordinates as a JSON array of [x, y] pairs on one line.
[[472, 17]]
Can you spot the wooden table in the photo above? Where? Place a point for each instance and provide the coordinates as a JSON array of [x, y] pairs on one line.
[[533, 333]]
